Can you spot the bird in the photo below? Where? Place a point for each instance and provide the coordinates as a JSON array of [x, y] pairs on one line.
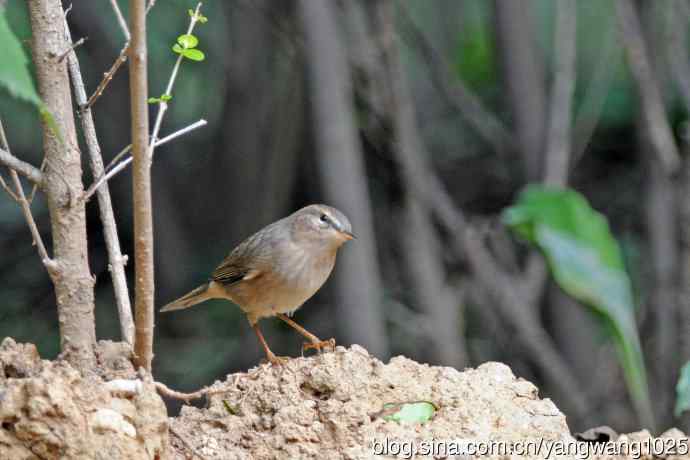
[[277, 269]]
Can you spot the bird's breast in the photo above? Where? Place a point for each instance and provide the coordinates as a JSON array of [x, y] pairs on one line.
[[286, 285]]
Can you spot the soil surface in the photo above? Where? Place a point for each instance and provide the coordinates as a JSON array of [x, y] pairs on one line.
[[329, 406]]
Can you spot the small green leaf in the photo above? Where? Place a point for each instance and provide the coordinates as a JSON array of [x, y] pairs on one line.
[[683, 391], [153, 100], [194, 55], [411, 412], [232, 410], [165, 97], [188, 41], [202, 19], [191, 13], [177, 48]]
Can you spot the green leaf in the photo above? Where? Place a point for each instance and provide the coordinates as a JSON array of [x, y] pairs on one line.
[[586, 262], [202, 19], [683, 391], [194, 55], [177, 48], [232, 410], [14, 73], [188, 41], [158, 100], [411, 412]]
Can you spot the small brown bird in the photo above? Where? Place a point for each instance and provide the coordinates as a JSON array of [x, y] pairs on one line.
[[277, 269]]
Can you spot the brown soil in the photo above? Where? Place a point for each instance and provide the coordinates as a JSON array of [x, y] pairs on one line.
[[326, 407], [323, 407], [49, 411]]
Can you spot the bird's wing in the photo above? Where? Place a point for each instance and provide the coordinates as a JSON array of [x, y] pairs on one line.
[[243, 263], [229, 273]]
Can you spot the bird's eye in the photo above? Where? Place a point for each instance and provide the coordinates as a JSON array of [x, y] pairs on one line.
[[324, 218]]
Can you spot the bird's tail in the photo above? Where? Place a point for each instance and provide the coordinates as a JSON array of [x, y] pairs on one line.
[[191, 298]]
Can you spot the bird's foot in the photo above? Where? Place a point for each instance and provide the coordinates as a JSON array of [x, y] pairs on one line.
[[276, 360], [319, 345]]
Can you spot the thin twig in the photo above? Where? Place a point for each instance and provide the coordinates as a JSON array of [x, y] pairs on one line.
[[121, 19], [122, 165], [72, 47], [47, 261], [163, 106], [35, 186], [25, 169], [9, 191], [164, 390], [186, 443], [116, 259], [108, 76]]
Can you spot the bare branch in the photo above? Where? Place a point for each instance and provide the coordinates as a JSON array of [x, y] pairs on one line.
[[23, 168], [108, 76], [115, 258], [9, 191], [558, 143], [72, 47], [120, 59], [141, 185], [164, 390], [26, 210], [122, 165], [35, 186], [455, 92], [121, 20], [163, 106], [653, 112]]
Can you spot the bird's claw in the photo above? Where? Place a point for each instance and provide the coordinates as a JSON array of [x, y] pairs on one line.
[[319, 346], [277, 360]]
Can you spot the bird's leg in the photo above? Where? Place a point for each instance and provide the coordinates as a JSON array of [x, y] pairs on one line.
[[272, 358], [314, 341]]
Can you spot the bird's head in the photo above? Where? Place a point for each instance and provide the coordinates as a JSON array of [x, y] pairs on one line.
[[322, 225]]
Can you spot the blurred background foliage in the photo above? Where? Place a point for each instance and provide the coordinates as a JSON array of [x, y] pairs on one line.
[[259, 159]]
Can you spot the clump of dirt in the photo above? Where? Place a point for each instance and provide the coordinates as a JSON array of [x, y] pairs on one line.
[[49, 411], [329, 407]]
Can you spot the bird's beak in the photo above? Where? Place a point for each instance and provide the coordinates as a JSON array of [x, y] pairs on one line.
[[348, 235]]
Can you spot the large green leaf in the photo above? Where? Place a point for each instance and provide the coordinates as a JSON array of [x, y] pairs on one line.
[[586, 262], [14, 73]]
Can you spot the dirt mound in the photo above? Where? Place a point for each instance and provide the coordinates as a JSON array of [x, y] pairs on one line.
[[329, 407], [49, 411]]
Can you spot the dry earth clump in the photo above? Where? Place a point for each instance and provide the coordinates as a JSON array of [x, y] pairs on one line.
[[329, 407], [49, 411], [323, 407]]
